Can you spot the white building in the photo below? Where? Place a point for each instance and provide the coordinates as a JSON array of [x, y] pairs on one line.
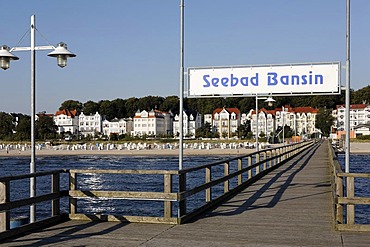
[[226, 121], [90, 124], [117, 126], [266, 122], [192, 121], [305, 120], [207, 119], [153, 123], [66, 121], [359, 115], [301, 120]]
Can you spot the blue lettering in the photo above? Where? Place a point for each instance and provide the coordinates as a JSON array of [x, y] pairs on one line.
[[215, 82], [206, 81], [272, 81], [304, 80], [284, 80], [234, 80], [310, 76], [224, 81], [317, 77], [244, 81], [254, 80], [295, 78]]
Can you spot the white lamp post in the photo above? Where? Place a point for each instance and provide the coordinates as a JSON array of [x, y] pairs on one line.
[[181, 106], [348, 86], [270, 101], [62, 54]]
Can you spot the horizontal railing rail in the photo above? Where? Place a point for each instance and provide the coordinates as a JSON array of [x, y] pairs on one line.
[[167, 196], [343, 194]]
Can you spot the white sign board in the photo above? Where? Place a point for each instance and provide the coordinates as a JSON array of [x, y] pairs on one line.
[[292, 79]]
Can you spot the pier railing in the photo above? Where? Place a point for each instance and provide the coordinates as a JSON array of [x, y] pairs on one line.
[[238, 173], [181, 198], [344, 197], [6, 204]]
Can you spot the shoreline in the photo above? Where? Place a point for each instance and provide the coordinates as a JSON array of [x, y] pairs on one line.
[[356, 148], [144, 152]]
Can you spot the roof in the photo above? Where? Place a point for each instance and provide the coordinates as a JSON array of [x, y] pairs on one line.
[[306, 109], [67, 112], [354, 106], [229, 110]]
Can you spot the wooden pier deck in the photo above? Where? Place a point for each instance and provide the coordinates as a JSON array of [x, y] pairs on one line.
[[289, 207]]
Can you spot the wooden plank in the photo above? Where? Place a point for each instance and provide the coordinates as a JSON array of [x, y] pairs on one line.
[[72, 187], [55, 188], [353, 228], [133, 171], [350, 194], [354, 200], [167, 189], [4, 198], [207, 180], [226, 173], [339, 195], [31, 175], [354, 175], [240, 167], [29, 201], [124, 195], [123, 218]]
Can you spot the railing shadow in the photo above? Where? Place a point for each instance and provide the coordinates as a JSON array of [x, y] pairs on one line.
[[66, 234], [250, 203]]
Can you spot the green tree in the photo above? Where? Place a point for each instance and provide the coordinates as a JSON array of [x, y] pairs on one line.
[[170, 103], [108, 109], [6, 126], [150, 102], [45, 128], [324, 121], [90, 107], [362, 96], [242, 131], [204, 131], [120, 106], [23, 128], [132, 106], [71, 105]]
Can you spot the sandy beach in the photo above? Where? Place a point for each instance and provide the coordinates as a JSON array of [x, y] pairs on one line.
[[143, 152], [356, 148]]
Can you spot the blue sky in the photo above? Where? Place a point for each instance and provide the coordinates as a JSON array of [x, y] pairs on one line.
[[130, 48]]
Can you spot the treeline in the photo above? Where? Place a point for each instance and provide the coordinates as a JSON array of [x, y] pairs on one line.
[[123, 108], [17, 127]]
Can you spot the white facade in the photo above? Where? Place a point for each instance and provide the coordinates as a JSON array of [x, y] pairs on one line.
[[301, 120], [191, 122], [90, 124], [359, 115], [152, 123], [66, 121], [266, 122], [117, 126], [226, 121]]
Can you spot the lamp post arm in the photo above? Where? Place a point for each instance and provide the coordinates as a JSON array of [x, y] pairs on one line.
[[37, 48]]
